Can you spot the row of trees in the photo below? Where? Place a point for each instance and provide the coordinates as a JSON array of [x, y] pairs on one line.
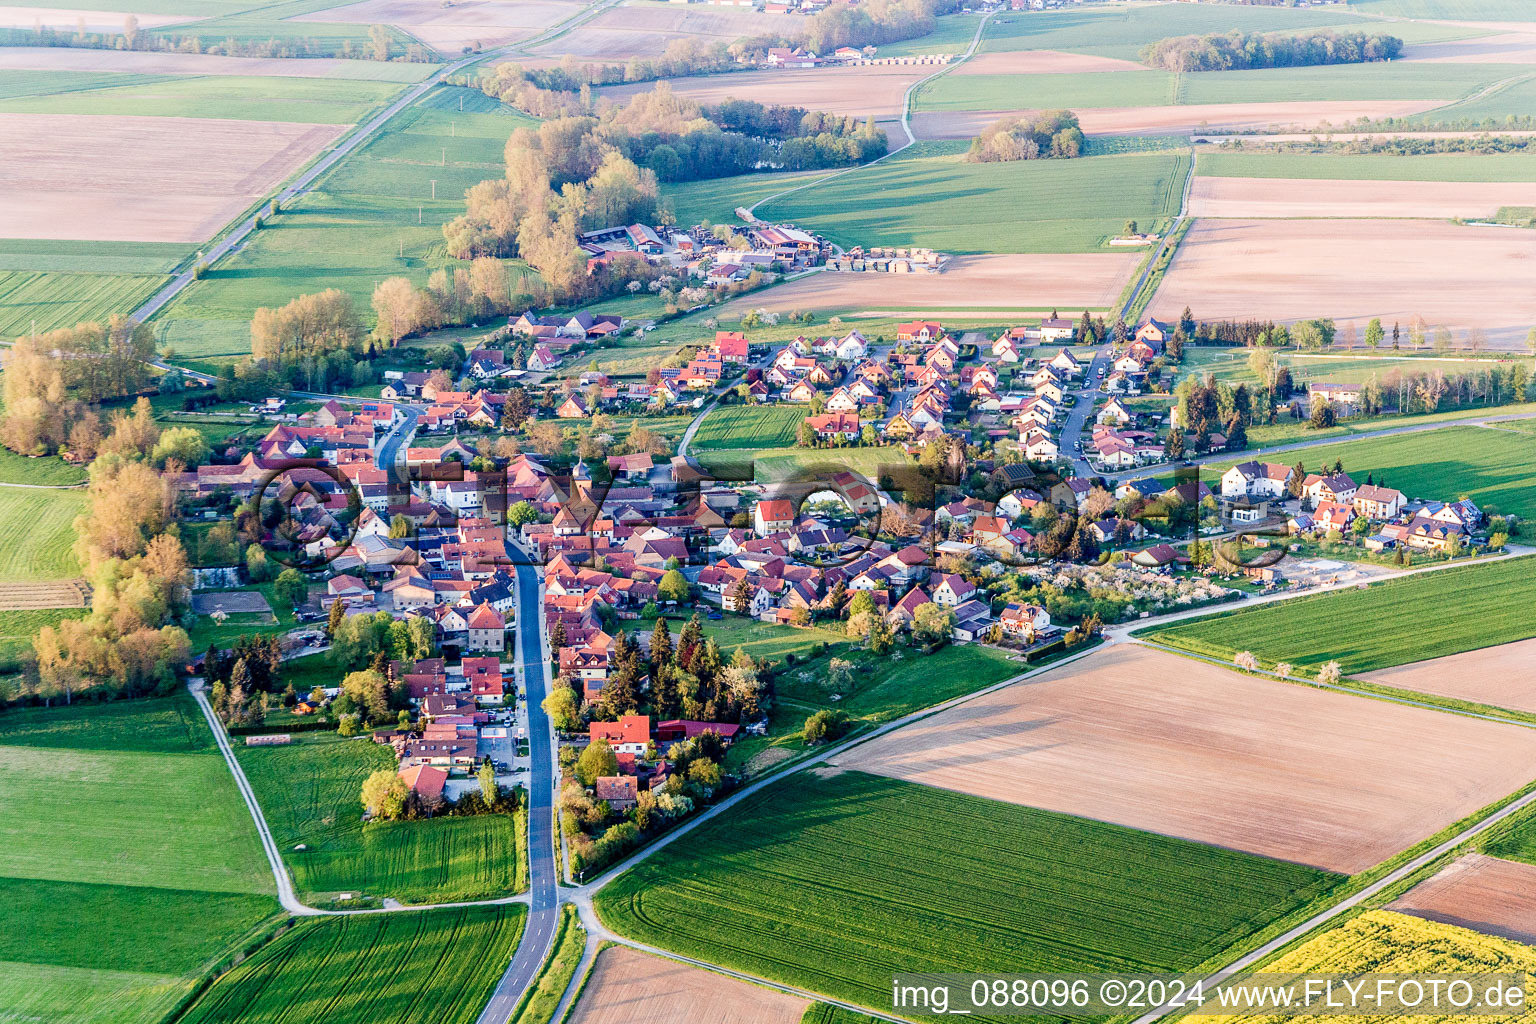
[[378, 47], [1233, 51], [1049, 134]]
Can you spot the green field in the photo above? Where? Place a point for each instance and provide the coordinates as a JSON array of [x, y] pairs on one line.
[[46, 469], [1492, 467], [1049, 92], [37, 533], [543, 997], [66, 256], [1122, 31], [1451, 610], [716, 199], [15, 84], [835, 881], [1374, 166], [1394, 80], [17, 628], [951, 34], [31, 298], [358, 227], [438, 966], [1231, 364], [240, 97], [769, 464], [750, 426], [309, 794], [1463, 10], [927, 195], [131, 863], [1516, 99]]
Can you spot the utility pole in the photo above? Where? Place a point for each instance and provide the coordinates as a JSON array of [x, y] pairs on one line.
[[418, 215], [445, 156], [434, 187]]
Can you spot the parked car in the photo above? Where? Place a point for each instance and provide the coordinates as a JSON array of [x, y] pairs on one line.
[[715, 615]]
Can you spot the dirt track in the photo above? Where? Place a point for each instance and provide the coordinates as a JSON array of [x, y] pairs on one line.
[[630, 987], [1501, 676], [1185, 748], [965, 124], [57, 182], [1076, 281], [867, 89], [1456, 275], [1295, 197], [1485, 894]]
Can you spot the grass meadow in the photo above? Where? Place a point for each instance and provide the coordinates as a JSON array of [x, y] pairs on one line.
[[67, 256], [833, 880], [769, 464], [17, 628], [1122, 31], [1518, 98], [749, 426], [238, 97], [928, 195], [716, 199], [357, 227], [438, 966], [1465, 10], [309, 793], [1370, 167], [124, 893], [15, 84], [37, 533], [44, 300], [1450, 610]]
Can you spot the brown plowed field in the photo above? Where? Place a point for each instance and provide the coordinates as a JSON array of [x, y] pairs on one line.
[[1185, 748], [1488, 895], [644, 30], [1077, 280], [1507, 48], [1457, 275], [67, 19], [1504, 676], [1295, 197], [863, 90], [630, 987], [965, 124], [446, 28], [84, 176]]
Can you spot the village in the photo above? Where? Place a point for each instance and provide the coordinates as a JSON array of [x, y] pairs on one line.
[[1019, 508]]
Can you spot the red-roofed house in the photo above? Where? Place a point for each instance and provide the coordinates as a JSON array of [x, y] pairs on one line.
[[487, 629], [425, 781], [776, 516], [631, 734]]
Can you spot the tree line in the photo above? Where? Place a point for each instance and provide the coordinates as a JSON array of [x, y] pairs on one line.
[[380, 45], [1239, 51], [52, 379], [1049, 134]]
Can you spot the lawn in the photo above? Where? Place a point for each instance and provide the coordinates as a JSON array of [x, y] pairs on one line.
[[1371, 166], [309, 793], [768, 464], [52, 300], [378, 969], [371, 217], [1451, 610], [157, 874], [46, 469], [1492, 467], [540, 1001], [833, 881], [37, 533], [749, 426], [240, 97], [927, 195]]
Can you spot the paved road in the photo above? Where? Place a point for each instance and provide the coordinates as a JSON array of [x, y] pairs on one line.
[[544, 911], [1078, 424], [386, 451]]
